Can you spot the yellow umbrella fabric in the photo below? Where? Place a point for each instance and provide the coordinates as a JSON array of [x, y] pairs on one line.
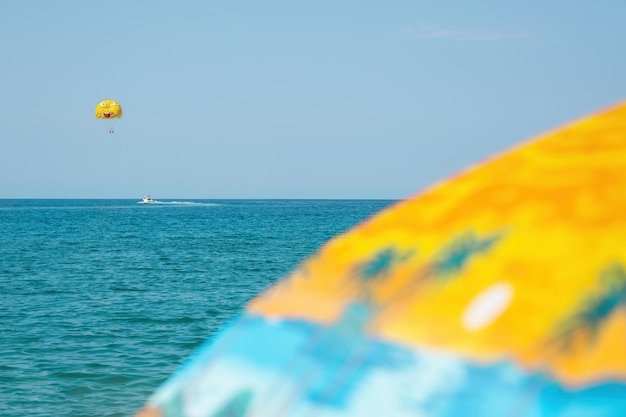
[[501, 291]]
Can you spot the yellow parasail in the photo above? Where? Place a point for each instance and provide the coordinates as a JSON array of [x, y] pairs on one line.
[[108, 109]]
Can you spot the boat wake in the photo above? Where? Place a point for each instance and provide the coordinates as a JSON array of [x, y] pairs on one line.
[[176, 203]]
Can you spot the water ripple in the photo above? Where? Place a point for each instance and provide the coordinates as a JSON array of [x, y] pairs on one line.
[[103, 299]]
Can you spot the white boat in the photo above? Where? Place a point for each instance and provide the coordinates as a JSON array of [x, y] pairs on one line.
[[148, 199]]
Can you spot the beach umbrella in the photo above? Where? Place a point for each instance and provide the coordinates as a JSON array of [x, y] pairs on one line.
[[499, 292]]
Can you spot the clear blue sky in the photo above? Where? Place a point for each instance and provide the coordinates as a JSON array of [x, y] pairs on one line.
[[289, 99]]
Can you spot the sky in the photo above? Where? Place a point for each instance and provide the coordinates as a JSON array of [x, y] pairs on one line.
[[289, 99]]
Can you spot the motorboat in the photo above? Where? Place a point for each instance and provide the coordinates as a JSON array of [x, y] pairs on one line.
[[148, 199]]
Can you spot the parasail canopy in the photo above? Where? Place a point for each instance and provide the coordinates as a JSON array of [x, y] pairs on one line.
[[108, 109]]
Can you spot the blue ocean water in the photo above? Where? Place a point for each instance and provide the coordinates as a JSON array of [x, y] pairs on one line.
[[100, 300]]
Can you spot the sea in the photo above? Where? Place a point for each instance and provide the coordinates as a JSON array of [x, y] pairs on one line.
[[101, 300]]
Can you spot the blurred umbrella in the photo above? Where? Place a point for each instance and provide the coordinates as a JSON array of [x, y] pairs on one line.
[[501, 292]]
